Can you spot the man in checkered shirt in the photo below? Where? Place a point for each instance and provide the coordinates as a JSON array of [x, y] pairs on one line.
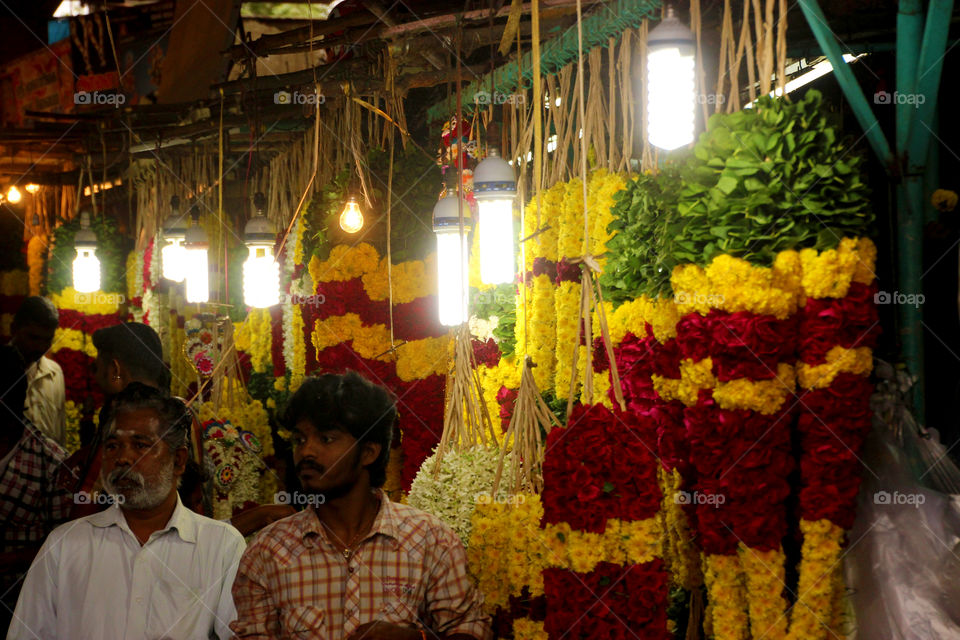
[[31, 503], [352, 564]]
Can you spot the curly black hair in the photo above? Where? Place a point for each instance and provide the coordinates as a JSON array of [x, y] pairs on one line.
[[350, 403]]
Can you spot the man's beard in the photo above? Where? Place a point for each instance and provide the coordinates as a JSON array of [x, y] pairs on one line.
[[142, 496], [338, 490]]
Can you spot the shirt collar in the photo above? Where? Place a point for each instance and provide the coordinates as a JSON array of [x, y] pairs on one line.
[[181, 520], [43, 367]]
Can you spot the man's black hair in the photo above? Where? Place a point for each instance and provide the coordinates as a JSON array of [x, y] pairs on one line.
[[138, 348], [37, 311], [175, 418], [350, 403], [13, 387]]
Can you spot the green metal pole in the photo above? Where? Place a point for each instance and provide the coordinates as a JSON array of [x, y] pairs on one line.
[[861, 108], [917, 110], [909, 35]]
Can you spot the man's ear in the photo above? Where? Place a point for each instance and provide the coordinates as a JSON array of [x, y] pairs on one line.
[[180, 458], [114, 369], [370, 452]]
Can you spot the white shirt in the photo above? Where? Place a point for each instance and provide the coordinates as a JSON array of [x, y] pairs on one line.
[[46, 396], [92, 580]]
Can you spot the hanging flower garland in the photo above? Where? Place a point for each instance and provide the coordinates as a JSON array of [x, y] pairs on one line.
[[36, 262], [838, 329]]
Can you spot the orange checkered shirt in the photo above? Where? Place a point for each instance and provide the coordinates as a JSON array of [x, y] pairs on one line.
[[411, 569]]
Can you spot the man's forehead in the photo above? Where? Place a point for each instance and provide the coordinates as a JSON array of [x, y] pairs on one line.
[[305, 425], [136, 422]]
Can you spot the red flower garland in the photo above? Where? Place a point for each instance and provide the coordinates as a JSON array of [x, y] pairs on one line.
[[612, 602], [590, 470]]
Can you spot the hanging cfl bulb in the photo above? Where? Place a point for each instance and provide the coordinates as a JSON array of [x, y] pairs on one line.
[[261, 273], [671, 87], [86, 266], [495, 187], [452, 254], [195, 246], [13, 195], [351, 219], [173, 255], [32, 188]]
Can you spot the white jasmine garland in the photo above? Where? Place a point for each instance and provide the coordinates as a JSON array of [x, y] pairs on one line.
[[464, 479], [482, 328]]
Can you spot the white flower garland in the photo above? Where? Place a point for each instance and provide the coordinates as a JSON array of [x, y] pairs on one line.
[[465, 479]]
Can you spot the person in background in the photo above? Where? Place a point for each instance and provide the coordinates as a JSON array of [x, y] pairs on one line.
[[132, 352], [33, 329], [31, 504], [146, 567], [353, 565]]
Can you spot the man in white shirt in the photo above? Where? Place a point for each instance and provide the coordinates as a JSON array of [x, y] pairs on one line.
[[147, 567], [33, 329]]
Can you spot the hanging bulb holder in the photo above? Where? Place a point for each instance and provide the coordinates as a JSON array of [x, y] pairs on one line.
[[175, 224], [85, 238], [196, 236], [671, 32], [494, 178], [259, 230], [446, 213]]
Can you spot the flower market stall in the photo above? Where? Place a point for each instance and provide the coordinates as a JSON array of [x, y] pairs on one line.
[[619, 263]]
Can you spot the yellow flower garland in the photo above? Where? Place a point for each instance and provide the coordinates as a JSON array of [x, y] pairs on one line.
[[695, 376], [36, 261], [16, 283], [858, 361], [765, 576], [662, 315], [821, 550], [679, 550], [763, 396], [418, 359], [97, 302], [73, 339], [732, 284], [261, 340], [527, 629], [509, 551], [344, 263], [567, 305], [828, 274], [727, 597], [411, 280]]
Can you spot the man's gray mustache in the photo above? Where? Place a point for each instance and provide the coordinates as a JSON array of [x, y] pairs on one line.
[[124, 474]]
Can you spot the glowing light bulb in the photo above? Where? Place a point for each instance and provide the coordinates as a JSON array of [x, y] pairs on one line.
[[671, 85], [86, 266], [351, 219], [13, 195]]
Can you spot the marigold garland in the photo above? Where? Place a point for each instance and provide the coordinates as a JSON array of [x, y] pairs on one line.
[[344, 263], [36, 261], [763, 396], [727, 597], [96, 303], [828, 274], [858, 361]]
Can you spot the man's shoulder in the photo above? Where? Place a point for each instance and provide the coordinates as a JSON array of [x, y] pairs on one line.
[[215, 531], [51, 365], [39, 444]]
